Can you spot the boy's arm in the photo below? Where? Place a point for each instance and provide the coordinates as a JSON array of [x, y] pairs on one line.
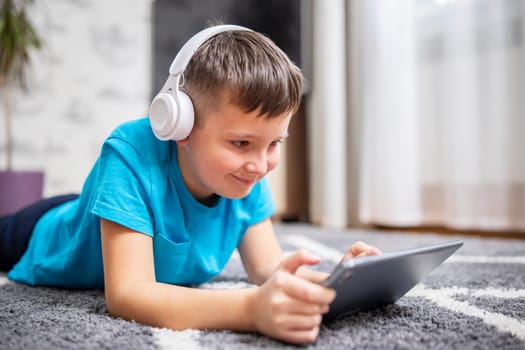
[[261, 254], [284, 307], [132, 292], [260, 251]]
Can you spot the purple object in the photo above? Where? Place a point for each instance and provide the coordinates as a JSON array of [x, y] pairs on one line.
[[18, 189]]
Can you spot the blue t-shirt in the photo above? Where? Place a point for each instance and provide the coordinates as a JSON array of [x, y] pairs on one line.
[[136, 182]]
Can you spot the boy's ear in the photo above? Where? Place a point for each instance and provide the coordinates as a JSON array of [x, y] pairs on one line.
[[182, 142]]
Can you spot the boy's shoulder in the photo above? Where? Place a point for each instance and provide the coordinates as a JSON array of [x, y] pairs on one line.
[[133, 129], [139, 135]]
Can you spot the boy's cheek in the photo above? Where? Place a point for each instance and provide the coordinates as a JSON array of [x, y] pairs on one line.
[[272, 164]]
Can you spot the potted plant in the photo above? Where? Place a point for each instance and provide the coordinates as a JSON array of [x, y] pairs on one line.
[[17, 38]]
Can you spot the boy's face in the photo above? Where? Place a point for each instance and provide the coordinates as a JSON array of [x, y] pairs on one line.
[[230, 151]]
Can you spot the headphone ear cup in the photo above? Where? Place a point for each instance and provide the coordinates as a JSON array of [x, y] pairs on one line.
[[161, 114], [170, 118], [186, 117]]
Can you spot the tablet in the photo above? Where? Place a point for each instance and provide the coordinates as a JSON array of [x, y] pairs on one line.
[[372, 281]]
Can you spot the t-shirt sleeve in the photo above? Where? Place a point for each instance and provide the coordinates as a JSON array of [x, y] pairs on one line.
[[121, 191]]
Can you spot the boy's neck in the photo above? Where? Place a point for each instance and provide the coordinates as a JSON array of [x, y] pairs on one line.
[[209, 201]]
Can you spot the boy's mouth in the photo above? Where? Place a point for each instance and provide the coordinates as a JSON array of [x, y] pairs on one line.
[[245, 182]]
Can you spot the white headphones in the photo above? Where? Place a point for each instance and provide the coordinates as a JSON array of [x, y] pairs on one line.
[[171, 111]]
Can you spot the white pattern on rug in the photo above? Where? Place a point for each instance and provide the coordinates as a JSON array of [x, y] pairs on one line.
[[444, 297], [4, 279]]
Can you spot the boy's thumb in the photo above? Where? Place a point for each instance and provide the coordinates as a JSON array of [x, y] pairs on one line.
[[297, 259]]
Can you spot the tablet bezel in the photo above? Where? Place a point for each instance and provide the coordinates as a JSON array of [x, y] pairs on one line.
[[369, 282]]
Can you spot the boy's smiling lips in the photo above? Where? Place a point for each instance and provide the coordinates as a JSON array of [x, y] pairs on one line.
[[245, 182]]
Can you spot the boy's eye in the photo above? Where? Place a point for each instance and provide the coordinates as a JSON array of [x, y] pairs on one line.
[[240, 143], [276, 142]]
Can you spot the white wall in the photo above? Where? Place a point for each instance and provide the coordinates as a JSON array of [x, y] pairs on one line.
[[92, 74]]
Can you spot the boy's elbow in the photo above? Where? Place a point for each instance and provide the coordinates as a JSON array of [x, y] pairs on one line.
[[256, 280], [259, 277], [120, 302], [115, 303]]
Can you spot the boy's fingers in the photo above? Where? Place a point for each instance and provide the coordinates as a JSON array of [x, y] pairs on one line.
[[360, 255], [301, 322], [304, 290], [305, 308], [305, 336], [297, 259], [359, 249]]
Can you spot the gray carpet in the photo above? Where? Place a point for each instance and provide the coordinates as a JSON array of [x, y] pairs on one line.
[[476, 300]]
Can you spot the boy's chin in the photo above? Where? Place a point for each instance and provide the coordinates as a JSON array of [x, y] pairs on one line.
[[236, 194]]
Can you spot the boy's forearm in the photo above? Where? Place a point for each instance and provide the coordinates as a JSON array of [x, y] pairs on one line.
[[175, 307]]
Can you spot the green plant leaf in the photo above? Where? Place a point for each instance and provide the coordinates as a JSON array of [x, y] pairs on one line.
[[17, 37]]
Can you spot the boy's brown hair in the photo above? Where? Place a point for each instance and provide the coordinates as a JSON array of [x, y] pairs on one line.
[[249, 69]]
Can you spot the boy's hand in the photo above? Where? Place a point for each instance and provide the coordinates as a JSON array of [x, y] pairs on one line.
[[288, 307], [360, 249]]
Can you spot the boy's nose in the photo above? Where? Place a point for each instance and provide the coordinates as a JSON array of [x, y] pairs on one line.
[[257, 165]]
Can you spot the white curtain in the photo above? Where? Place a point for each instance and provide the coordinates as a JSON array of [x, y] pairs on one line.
[[436, 113], [327, 97]]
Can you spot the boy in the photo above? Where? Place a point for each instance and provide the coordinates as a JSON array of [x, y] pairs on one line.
[[157, 217]]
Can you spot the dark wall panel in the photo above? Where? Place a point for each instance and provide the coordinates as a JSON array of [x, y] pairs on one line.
[[175, 21]]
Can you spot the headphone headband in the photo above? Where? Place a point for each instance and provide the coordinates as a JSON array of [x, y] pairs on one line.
[[188, 49]]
